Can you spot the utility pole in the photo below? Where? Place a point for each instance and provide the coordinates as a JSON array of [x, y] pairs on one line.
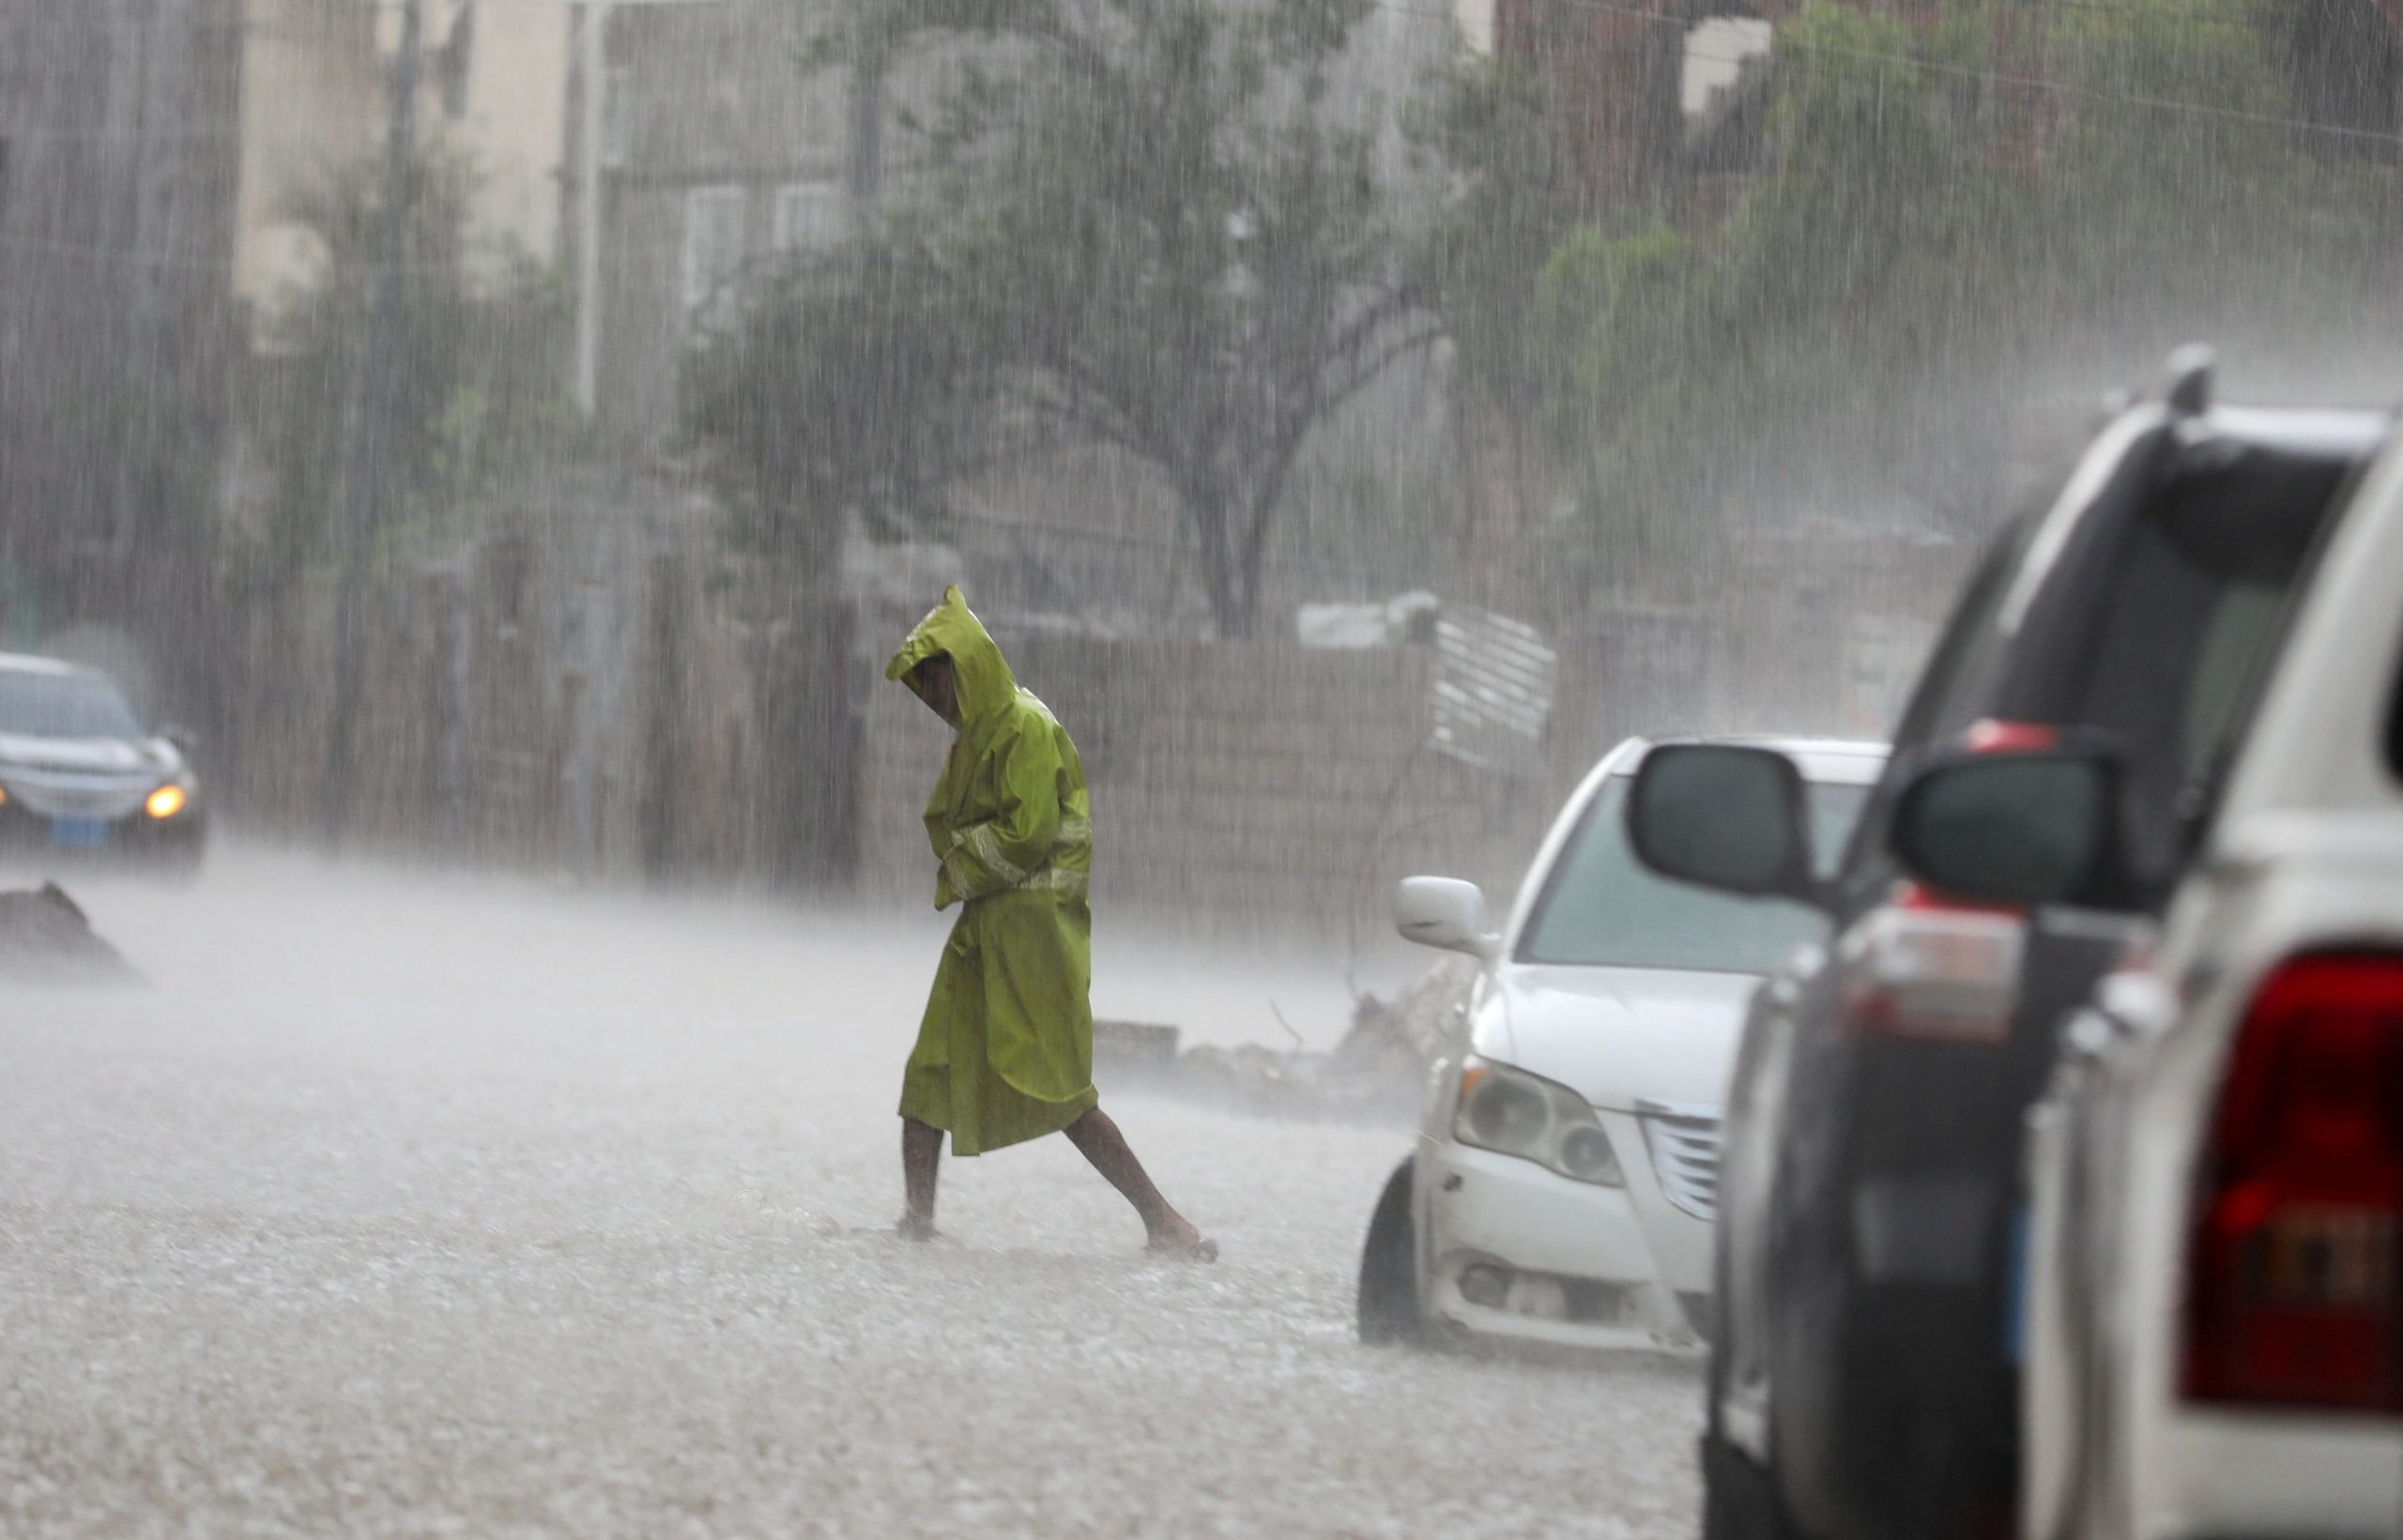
[[594, 68], [138, 171], [870, 60], [366, 477]]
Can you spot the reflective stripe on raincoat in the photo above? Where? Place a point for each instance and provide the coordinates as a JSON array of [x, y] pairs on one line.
[[1005, 1051]]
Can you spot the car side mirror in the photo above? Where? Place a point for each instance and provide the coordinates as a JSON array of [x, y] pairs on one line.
[[184, 739], [1724, 816], [2017, 829], [1446, 913]]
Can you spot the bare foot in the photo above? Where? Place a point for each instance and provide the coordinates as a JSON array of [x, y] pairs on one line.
[[915, 1226], [1182, 1241]]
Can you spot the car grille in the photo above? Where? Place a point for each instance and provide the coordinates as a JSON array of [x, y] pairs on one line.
[[55, 794], [1685, 1157]]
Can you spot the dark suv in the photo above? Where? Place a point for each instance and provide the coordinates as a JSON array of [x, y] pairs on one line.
[[1863, 1376]]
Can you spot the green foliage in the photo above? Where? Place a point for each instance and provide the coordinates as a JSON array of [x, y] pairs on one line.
[[1931, 235], [1483, 122], [858, 387], [506, 406], [2156, 215], [472, 383], [1610, 316]]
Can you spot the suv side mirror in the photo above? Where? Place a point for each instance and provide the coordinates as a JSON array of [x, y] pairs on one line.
[[1734, 818], [2019, 828], [1446, 913]]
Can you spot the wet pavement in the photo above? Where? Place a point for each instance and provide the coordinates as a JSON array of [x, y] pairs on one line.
[[407, 1206]]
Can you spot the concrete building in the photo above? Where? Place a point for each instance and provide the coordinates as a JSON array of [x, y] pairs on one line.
[[118, 144], [315, 104], [719, 149], [151, 152]]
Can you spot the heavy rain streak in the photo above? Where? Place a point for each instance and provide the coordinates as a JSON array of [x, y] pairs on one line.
[[598, 595]]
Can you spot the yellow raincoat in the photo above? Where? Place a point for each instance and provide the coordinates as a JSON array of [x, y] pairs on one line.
[[1005, 1051]]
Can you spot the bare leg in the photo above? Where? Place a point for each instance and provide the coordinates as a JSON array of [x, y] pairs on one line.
[[1097, 1139], [920, 1161]]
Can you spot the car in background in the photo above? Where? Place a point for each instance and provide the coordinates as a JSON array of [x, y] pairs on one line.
[[2215, 1269], [81, 776], [1562, 1185], [1863, 1382]]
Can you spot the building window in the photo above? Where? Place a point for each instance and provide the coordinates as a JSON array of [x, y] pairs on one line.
[[809, 216], [712, 251]]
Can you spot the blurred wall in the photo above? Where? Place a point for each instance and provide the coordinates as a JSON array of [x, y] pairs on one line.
[[117, 159], [586, 689], [1237, 787]]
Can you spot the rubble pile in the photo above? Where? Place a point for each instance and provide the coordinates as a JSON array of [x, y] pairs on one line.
[[1401, 1035], [45, 938], [1372, 1075]]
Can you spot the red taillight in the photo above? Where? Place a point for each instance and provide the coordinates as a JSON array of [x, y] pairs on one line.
[[1992, 736], [2291, 1288], [1922, 967], [1926, 965]]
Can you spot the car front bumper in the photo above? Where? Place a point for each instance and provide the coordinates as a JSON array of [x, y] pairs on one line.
[[29, 838], [1511, 1249]]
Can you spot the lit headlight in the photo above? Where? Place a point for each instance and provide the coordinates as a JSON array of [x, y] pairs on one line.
[[166, 802], [1511, 1112]]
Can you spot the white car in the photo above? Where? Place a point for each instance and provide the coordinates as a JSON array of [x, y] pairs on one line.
[[2213, 1278], [1561, 1190]]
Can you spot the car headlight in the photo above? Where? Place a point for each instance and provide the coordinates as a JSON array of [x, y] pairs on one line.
[[166, 802], [1511, 1112]]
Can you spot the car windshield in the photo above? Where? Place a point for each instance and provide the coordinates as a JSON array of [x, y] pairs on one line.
[[63, 706], [1601, 908]]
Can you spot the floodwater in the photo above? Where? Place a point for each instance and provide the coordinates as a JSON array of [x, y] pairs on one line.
[[414, 1205]]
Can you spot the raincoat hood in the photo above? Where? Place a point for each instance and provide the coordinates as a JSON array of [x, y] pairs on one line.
[[987, 686]]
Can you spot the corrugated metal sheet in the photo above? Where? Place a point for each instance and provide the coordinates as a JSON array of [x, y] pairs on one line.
[[1494, 678]]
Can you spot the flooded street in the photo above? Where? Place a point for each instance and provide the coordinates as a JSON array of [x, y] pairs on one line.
[[1775, 614], [409, 1206]]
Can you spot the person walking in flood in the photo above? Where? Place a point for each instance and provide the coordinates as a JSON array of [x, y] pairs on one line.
[[1005, 1052]]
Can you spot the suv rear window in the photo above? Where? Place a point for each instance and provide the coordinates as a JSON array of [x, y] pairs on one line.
[[2180, 621], [2177, 648]]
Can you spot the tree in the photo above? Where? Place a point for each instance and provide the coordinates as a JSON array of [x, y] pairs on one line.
[[1140, 223], [858, 388], [1486, 124], [2187, 193], [475, 390], [1949, 216]]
